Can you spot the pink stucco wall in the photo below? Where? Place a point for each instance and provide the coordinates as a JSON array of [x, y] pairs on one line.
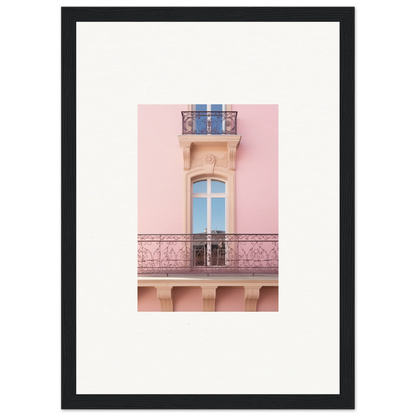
[[160, 169], [229, 299], [268, 300], [257, 169], [187, 299], [147, 300]]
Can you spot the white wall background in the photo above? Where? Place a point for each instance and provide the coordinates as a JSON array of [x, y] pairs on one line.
[[295, 65]]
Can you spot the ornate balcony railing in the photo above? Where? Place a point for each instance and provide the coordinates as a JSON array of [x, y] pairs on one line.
[[208, 254], [209, 122]]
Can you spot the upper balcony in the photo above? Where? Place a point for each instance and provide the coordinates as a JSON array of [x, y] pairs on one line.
[[209, 122]]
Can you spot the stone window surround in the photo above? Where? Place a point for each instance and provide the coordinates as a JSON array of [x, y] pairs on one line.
[[209, 170]]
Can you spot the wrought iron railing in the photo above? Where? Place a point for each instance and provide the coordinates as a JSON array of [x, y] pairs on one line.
[[208, 254], [209, 122]]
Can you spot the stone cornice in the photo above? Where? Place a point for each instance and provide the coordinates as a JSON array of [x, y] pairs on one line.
[[207, 140], [229, 143]]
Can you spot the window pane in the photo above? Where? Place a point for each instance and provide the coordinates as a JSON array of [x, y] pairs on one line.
[[200, 187], [199, 215], [218, 214], [201, 119], [217, 187], [216, 119]]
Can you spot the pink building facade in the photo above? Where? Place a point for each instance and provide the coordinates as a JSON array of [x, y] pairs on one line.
[[220, 163]]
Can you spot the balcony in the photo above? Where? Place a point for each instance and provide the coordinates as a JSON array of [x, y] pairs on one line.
[[207, 254], [209, 122]]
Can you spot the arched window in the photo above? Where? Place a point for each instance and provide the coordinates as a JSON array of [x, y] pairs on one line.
[[209, 211], [209, 199], [200, 185]]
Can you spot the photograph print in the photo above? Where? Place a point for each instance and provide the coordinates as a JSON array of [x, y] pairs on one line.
[[208, 233]]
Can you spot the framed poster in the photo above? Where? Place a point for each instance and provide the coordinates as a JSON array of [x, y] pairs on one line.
[[173, 206]]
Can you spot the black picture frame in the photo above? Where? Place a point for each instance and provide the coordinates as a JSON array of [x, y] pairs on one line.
[[69, 398]]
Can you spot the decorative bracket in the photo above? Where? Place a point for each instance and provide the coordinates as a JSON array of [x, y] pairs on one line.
[[186, 147], [164, 294], [232, 152], [251, 296], [208, 298]]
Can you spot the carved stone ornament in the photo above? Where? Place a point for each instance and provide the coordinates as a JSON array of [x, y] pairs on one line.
[[194, 147], [222, 162], [209, 161], [197, 162]]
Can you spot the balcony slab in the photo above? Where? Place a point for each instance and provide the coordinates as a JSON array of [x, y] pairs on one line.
[[218, 280]]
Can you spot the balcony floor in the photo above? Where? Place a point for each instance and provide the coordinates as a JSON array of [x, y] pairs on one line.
[[223, 280]]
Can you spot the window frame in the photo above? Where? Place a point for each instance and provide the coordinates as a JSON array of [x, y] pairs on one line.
[[221, 174], [209, 195], [208, 258]]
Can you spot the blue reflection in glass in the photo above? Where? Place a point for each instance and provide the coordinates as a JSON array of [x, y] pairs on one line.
[[217, 187], [199, 187], [201, 119], [199, 215], [218, 214], [216, 119]]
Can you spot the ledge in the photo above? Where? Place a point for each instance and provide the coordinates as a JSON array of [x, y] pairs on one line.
[[203, 140], [207, 281]]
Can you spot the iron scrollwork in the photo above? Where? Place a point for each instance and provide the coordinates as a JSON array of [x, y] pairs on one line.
[[208, 253], [209, 122]]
